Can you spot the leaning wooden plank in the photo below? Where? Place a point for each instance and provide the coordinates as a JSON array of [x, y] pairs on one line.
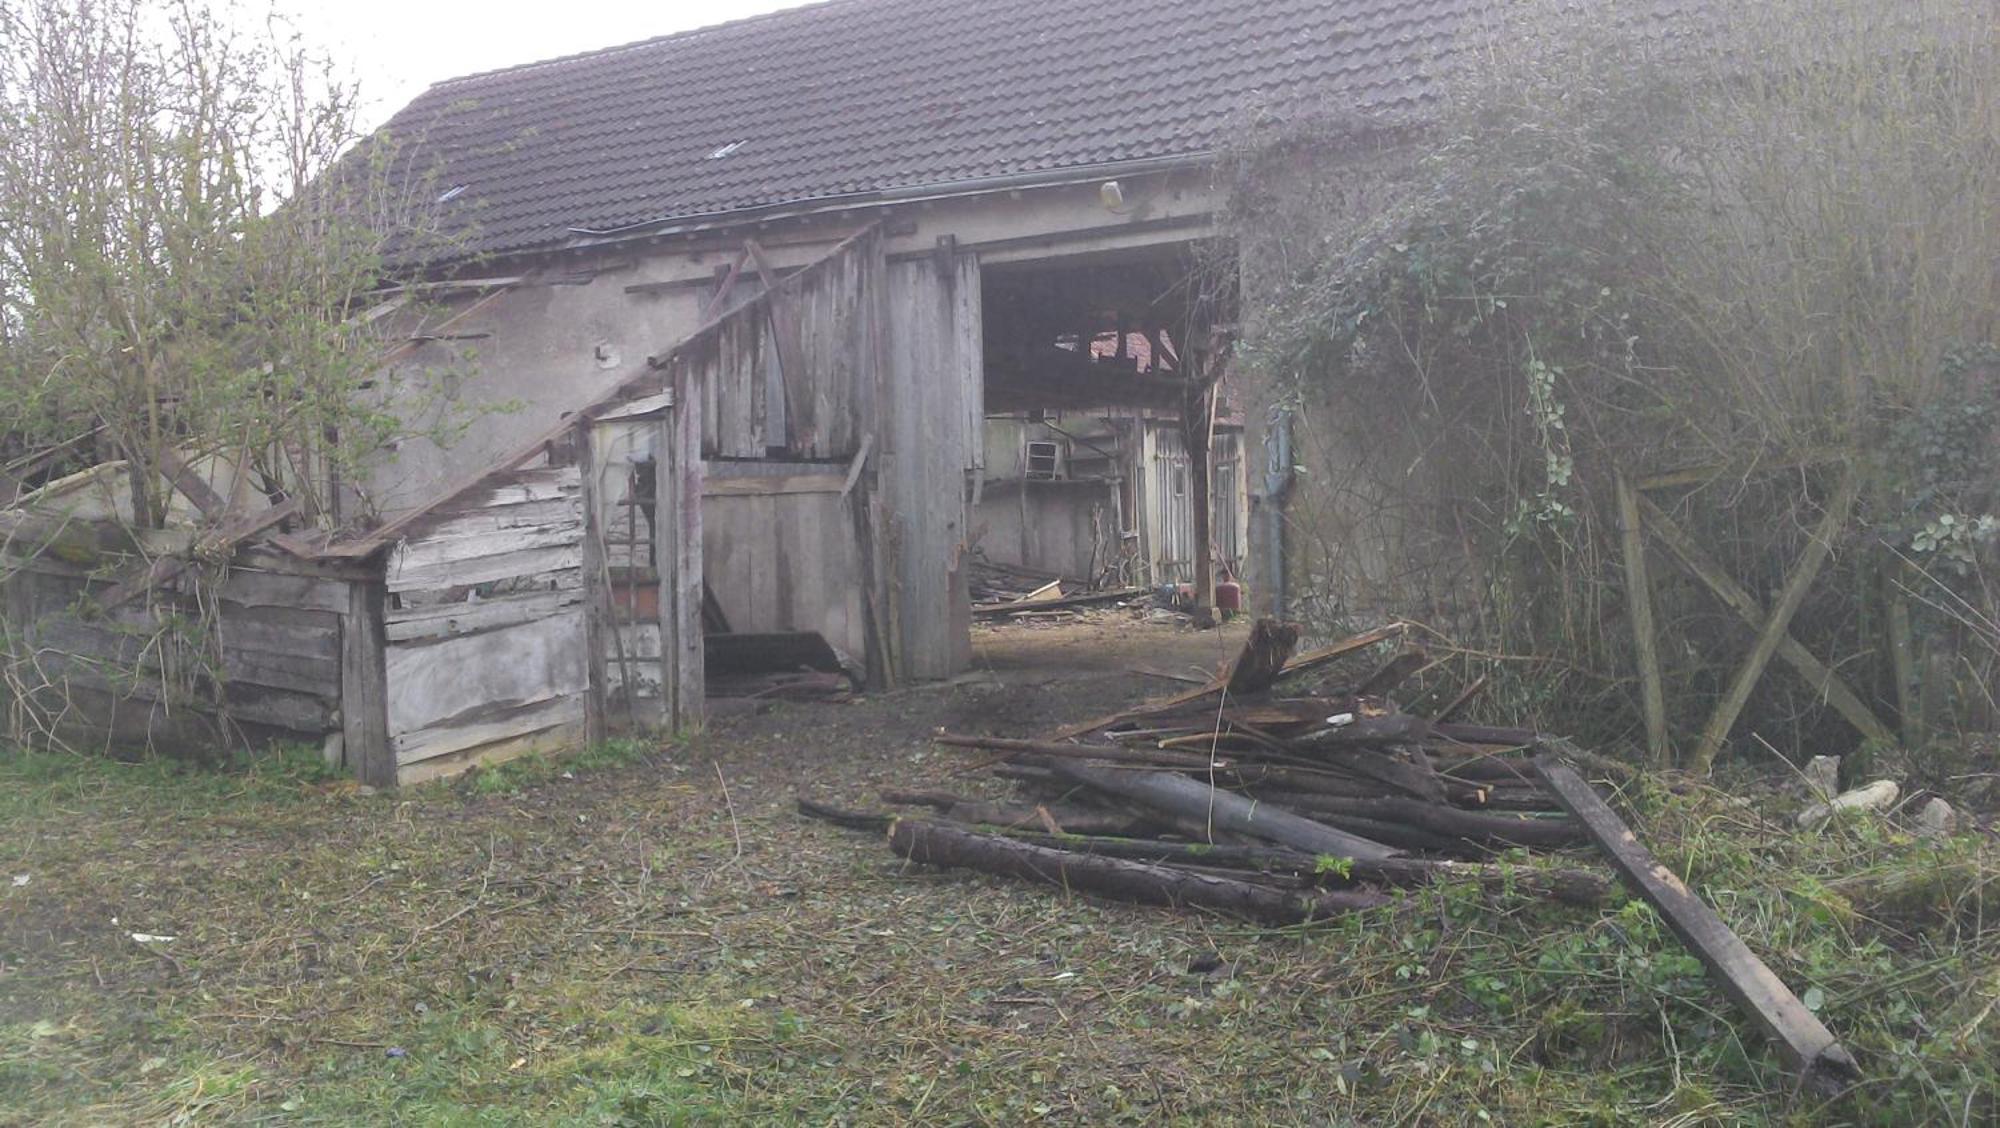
[[1194, 800], [1776, 624], [950, 847], [192, 485], [1343, 648], [1691, 556], [218, 543], [1645, 637], [1808, 1047]]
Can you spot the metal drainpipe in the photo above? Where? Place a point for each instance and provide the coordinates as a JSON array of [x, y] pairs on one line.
[[1277, 486]]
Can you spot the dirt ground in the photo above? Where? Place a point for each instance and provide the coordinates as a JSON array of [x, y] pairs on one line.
[[652, 935], [521, 947]]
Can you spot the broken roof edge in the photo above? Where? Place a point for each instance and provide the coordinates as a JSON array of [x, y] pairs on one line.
[[582, 239], [1057, 177], [375, 540]]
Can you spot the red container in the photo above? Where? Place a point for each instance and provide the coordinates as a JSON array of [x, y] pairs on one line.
[[1229, 596]]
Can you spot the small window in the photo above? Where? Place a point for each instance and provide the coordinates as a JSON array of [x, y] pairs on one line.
[[1044, 460]]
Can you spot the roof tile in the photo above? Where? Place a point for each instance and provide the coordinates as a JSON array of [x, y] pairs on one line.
[[851, 97]]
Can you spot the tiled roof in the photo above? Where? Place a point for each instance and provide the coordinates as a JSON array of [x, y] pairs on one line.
[[853, 97]]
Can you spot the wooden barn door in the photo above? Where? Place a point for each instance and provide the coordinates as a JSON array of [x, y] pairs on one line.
[[635, 562]]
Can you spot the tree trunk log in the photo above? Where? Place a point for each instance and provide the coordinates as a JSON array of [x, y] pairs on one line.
[[1570, 886], [1186, 798], [1263, 657], [1450, 822], [950, 847]]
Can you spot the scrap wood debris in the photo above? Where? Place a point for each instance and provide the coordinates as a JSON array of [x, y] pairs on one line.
[[1284, 810], [1010, 591]]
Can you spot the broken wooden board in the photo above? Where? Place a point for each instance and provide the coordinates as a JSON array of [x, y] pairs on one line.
[[1809, 1049], [769, 652], [1035, 604]]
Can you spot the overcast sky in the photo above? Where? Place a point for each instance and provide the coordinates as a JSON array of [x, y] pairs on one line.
[[399, 47]]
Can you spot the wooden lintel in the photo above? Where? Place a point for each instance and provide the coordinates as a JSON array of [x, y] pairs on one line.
[[1808, 1048], [768, 485]]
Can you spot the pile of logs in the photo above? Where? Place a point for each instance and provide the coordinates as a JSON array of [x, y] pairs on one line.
[[1276, 808], [1284, 810]]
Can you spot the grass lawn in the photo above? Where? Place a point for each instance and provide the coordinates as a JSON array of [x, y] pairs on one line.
[[648, 936]]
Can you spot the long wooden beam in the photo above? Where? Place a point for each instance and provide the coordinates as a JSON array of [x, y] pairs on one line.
[[1808, 1048], [1704, 567]]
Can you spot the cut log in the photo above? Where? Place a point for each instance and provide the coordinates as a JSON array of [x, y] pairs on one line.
[[950, 847], [1418, 778], [1449, 822], [1485, 734], [1808, 1048], [1263, 657], [1570, 886], [1191, 799], [1073, 820], [1156, 757], [838, 816]]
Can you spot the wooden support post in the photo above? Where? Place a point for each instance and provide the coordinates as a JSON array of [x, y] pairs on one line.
[[1198, 432], [1807, 1046], [364, 685], [1777, 623], [596, 591], [677, 530], [1902, 646], [1704, 567], [1645, 639]]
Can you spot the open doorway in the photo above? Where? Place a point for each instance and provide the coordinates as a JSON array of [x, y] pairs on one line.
[[1092, 368]]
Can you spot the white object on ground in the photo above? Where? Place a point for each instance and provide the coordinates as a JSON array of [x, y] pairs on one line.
[[1823, 777], [1937, 819], [1874, 797]]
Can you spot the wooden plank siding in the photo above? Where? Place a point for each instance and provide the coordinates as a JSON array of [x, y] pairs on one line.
[[484, 639], [932, 401], [277, 641], [736, 367]]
